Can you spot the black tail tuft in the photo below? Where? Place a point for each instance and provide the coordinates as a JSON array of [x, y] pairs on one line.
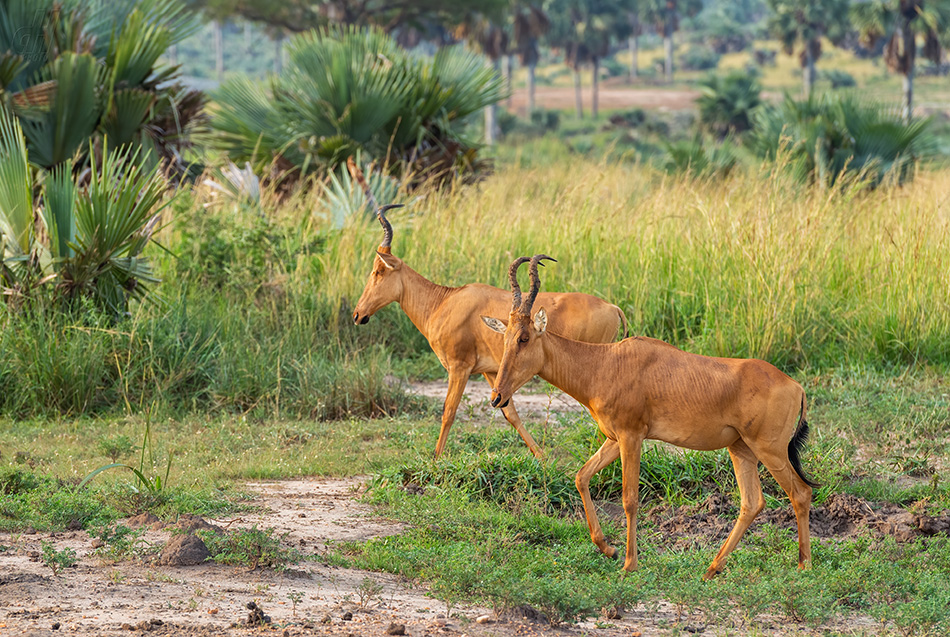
[[794, 447]]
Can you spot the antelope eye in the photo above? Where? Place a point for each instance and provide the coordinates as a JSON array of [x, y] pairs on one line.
[[522, 339]]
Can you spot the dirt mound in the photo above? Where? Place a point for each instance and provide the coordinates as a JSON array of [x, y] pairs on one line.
[[184, 550]]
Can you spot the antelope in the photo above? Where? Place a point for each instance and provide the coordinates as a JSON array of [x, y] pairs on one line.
[[642, 388], [448, 318]]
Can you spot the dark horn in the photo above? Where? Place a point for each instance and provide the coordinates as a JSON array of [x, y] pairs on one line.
[[535, 281], [387, 227], [513, 278]]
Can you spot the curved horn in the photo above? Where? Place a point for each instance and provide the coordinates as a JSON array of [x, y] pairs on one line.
[[535, 281], [387, 227], [513, 278]]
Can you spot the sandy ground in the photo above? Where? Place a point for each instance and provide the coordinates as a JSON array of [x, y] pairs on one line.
[[101, 598], [612, 95]]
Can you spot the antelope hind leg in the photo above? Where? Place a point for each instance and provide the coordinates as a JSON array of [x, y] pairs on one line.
[[746, 466]]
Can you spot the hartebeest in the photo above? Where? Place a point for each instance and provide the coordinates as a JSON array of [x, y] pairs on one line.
[[642, 388], [448, 318]]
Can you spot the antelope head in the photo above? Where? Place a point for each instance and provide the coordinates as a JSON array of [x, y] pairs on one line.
[[524, 352], [384, 284]]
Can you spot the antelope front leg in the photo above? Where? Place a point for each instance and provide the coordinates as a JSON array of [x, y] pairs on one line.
[[457, 381], [608, 452], [630, 458], [515, 421]]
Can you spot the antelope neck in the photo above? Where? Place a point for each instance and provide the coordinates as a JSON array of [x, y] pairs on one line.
[[420, 298]]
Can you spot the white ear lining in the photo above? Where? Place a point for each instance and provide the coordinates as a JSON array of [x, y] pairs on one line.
[[494, 324]]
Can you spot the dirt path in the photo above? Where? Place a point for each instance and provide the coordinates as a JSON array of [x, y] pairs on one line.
[[611, 96], [100, 598]]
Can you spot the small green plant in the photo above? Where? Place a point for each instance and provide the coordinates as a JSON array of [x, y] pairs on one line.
[[251, 547], [116, 447], [154, 485], [368, 590], [295, 597], [118, 542], [57, 560]]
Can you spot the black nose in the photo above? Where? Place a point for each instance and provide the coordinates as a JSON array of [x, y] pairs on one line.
[[361, 320], [495, 401]]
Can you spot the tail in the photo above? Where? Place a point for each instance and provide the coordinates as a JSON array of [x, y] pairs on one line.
[[623, 321], [798, 443]]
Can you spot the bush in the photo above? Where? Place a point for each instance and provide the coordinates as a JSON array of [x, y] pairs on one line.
[[547, 119], [827, 137], [726, 102], [85, 70], [699, 58], [838, 78], [349, 89], [90, 241], [700, 157]]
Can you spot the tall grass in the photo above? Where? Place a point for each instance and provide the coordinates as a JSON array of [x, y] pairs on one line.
[[259, 297], [752, 265]]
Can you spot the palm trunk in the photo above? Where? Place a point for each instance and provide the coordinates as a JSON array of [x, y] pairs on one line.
[[634, 44], [578, 100], [808, 70], [909, 50], [595, 87], [668, 43], [490, 124], [218, 50], [491, 116], [509, 69], [279, 53], [531, 68]]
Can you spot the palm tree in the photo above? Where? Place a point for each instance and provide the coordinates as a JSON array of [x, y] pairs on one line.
[[900, 22], [529, 23], [349, 90], [492, 39], [634, 8], [584, 29], [86, 241], [75, 71], [666, 14], [804, 22]]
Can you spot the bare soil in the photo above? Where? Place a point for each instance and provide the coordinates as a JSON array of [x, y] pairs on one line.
[[613, 94], [173, 591]]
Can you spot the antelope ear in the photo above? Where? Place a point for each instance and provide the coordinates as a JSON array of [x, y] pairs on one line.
[[541, 321], [496, 324], [389, 260]]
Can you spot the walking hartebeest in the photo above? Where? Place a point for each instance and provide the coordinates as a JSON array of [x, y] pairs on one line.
[[642, 388], [448, 318]]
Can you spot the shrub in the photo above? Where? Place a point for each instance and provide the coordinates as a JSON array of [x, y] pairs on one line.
[[90, 242], [86, 70], [827, 137], [700, 157], [838, 78], [350, 89], [699, 58], [726, 102]]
